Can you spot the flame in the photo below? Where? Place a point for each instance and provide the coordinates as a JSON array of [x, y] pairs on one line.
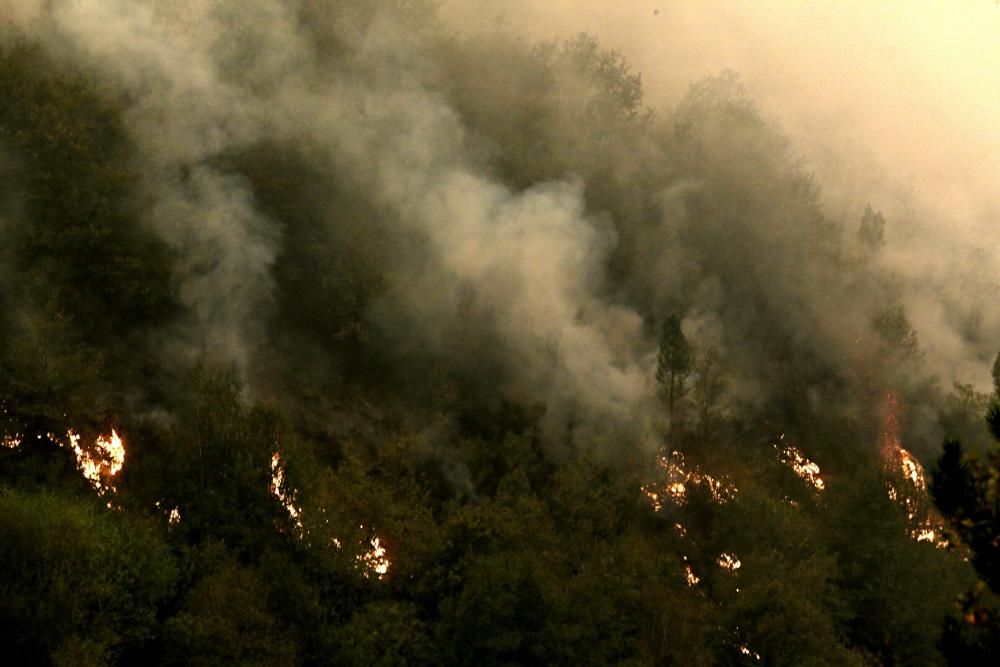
[[897, 457], [174, 517], [745, 650], [807, 470], [101, 462], [11, 441], [912, 469], [690, 576], [729, 561], [375, 560], [678, 480], [280, 491]]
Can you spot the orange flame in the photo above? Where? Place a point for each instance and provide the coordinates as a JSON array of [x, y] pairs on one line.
[[101, 462], [897, 457], [729, 561], [807, 470], [678, 478], [281, 492]]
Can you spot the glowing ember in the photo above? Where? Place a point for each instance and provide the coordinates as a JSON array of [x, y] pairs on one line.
[[679, 480], [690, 576], [745, 650], [11, 441], [807, 470], [283, 495], [174, 517], [728, 561], [101, 462]]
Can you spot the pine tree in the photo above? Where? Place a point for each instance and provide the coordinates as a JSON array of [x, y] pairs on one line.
[[673, 363]]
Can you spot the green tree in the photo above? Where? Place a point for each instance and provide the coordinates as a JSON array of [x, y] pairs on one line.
[[965, 490], [673, 364], [711, 379], [81, 583], [225, 618]]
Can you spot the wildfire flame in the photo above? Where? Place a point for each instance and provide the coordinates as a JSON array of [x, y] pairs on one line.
[[280, 491], [689, 575], [729, 561], [375, 560], [678, 479], [100, 463], [897, 457], [807, 470]]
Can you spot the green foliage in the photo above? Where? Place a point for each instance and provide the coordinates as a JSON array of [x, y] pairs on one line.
[[81, 580], [503, 548], [225, 620], [673, 363]]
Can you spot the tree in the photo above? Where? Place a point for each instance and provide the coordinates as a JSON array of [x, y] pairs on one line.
[[710, 383], [996, 377], [673, 363], [871, 232], [81, 583], [966, 491]]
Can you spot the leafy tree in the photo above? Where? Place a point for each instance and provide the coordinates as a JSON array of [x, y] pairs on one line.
[[225, 619], [81, 583]]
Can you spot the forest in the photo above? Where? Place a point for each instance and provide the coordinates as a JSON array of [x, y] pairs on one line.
[[330, 335]]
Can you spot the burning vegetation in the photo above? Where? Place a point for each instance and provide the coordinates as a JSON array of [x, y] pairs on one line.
[[390, 315]]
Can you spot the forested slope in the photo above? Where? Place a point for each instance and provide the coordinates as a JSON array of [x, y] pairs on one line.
[[331, 336]]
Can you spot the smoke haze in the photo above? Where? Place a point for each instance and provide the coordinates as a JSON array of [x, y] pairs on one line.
[[541, 279], [893, 104]]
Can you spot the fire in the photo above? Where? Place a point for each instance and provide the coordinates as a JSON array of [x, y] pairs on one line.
[[729, 561], [281, 492], [689, 575], [912, 469], [679, 479], [807, 470], [101, 462], [745, 650], [11, 441], [375, 560], [898, 458]]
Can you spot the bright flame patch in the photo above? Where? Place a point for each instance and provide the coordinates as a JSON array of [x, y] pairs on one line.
[[100, 463], [807, 470], [679, 479]]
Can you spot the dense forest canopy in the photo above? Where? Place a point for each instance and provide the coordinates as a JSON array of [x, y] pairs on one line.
[[331, 335]]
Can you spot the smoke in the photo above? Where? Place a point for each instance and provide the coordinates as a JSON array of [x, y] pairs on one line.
[[204, 81], [327, 173], [885, 104]]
